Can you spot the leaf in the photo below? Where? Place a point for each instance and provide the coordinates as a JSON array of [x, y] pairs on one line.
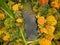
[[5, 8], [9, 23], [57, 30], [10, 3], [44, 9], [36, 43], [14, 34], [53, 43]]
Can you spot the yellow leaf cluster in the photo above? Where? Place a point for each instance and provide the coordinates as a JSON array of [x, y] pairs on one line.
[[15, 7], [19, 20], [6, 37], [2, 16], [44, 41], [51, 20], [41, 20], [35, 8], [55, 4]]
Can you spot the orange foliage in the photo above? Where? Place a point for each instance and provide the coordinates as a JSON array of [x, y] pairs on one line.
[[43, 2]]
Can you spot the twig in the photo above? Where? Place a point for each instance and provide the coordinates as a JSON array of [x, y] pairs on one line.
[[21, 30], [6, 12]]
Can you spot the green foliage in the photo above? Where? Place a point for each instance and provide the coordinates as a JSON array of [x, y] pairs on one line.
[[5, 8], [44, 9], [1, 41], [36, 43], [9, 23], [41, 35], [57, 30], [53, 43], [10, 3], [14, 34], [1, 11], [1, 24], [51, 0]]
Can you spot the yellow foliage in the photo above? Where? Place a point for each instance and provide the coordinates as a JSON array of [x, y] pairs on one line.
[[15, 7], [50, 29], [51, 20], [40, 26], [44, 41], [1, 32], [38, 15], [35, 8], [6, 37], [18, 40], [52, 11], [20, 6], [49, 37], [2, 16], [41, 20], [19, 20], [55, 4], [57, 36], [43, 30]]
